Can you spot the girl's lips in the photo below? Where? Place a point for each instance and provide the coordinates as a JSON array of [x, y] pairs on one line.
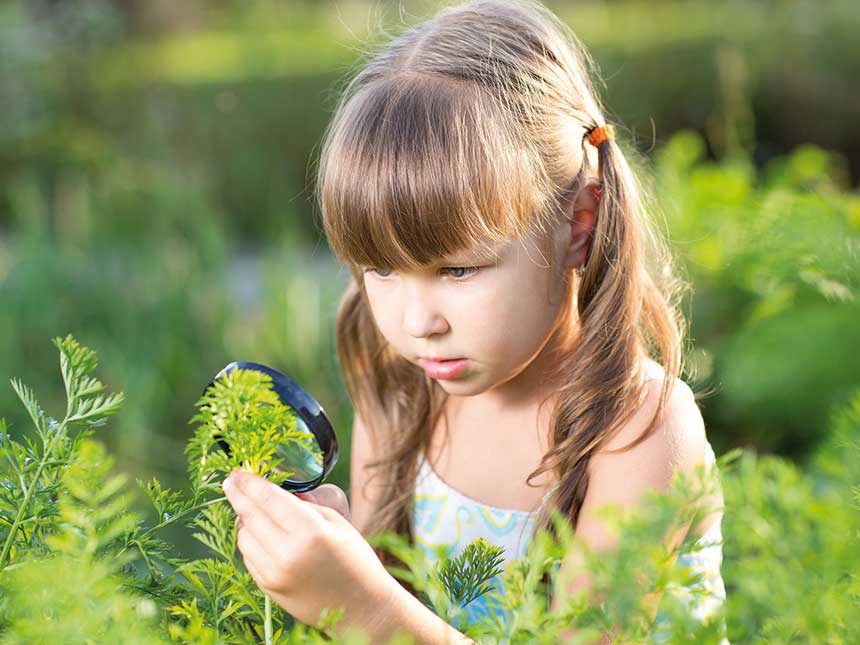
[[444, 369]]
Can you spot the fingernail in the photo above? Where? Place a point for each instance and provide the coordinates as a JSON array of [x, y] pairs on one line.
[[226, 485]]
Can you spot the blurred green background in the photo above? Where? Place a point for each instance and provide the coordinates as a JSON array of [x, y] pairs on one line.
[[156, 181]]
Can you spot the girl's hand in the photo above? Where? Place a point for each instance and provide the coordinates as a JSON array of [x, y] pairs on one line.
[[308, 557]]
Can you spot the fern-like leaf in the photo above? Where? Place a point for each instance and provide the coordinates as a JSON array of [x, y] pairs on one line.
[[85, 404], [32, 406], [467, 576]]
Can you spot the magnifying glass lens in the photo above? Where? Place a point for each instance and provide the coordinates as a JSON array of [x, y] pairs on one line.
[[301, 460], [309, 450]]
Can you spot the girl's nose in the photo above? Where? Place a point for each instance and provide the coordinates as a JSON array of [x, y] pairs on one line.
[[421, 317]]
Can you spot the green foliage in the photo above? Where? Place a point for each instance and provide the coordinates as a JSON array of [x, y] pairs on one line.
[[62, 509], [241, 410], [467, 576], [80, 567], [792, 542], [27, 505], [774, 258], [74, 592]]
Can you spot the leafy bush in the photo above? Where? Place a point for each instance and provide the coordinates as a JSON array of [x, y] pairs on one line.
[[77, 566], [774, 260], [792, 539], [60, 510]]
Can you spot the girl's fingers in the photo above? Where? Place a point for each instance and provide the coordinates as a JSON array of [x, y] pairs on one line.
[[253, 552], [251, 516]]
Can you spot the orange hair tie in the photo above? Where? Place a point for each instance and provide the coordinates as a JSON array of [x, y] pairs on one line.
[[598, 135]]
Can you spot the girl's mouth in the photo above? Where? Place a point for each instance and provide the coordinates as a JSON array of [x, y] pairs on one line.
[[447, 369]]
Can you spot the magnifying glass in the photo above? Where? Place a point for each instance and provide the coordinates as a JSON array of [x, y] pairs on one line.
[[308, 462]]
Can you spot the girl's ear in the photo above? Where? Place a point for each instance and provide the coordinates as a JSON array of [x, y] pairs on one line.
[[580, 225]]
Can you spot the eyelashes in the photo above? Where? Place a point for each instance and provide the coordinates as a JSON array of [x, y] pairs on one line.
[[458, 273], [472, 270]]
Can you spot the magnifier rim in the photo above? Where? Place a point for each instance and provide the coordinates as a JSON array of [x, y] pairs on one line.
[[311, 412]]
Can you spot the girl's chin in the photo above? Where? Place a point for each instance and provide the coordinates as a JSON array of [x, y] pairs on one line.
[[467, 385]]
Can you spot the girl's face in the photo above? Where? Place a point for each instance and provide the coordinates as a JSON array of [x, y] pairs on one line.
[[496, 313]]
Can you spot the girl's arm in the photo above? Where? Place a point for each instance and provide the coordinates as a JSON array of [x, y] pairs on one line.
[[404, 614], [622, 478]]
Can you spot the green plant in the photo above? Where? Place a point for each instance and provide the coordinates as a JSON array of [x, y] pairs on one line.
[[28, 500], [210, 599], [774, 262], [78, 566]]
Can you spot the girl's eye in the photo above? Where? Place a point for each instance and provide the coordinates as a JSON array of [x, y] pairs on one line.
[[380, 272], [457, 272]]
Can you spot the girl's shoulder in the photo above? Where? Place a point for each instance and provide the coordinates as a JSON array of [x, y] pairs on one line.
[[680, 430], [622, 478], [653, 371]]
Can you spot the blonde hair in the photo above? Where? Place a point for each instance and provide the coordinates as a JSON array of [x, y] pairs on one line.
[[468, 127]]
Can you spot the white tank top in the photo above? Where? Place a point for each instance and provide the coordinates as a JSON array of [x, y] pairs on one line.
[[445, 519]]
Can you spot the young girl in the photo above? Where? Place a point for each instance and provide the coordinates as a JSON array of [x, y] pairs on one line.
[[507, 302]]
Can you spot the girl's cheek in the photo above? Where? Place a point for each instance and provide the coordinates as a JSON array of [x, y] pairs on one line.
[[382, 313]]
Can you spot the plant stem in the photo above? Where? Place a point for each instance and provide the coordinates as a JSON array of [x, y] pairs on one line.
[[268, 623], [152, 529], [21, 510], [46, 458], [181, 514]]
